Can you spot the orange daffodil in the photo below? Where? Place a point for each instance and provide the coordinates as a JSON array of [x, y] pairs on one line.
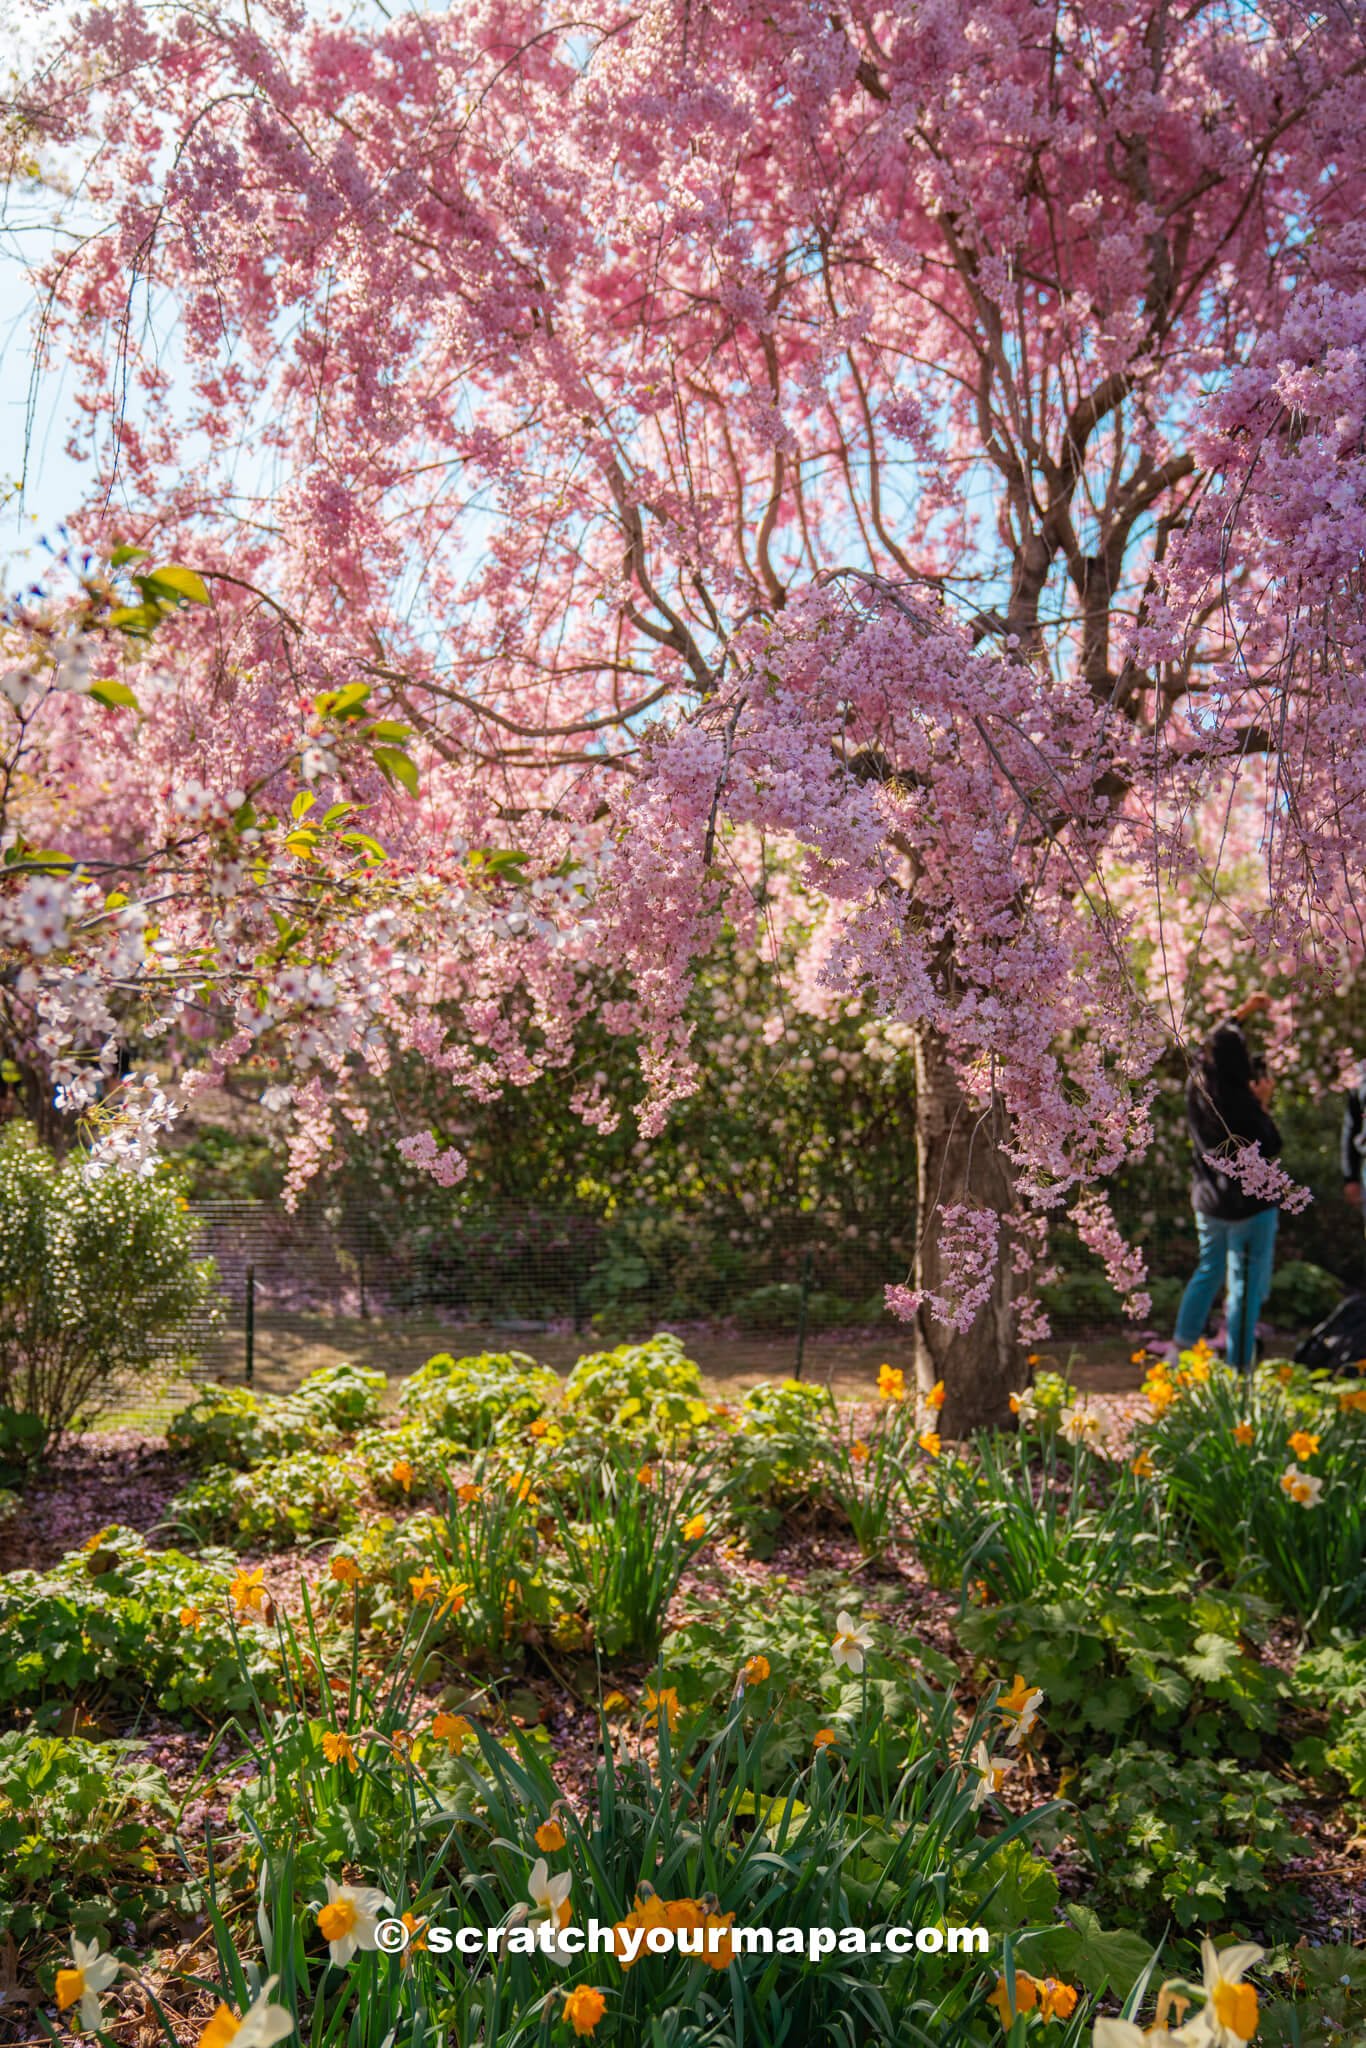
[[549, 1836], [1142, 1466], [694, 1529], [1020, 1705], [1353, 1399], [1243, 1433], [935, 1398], [347, 1919], [584, 2006], [929, 1442], [1303, 1444], [851, 1642], [401, 1472], [343, 1569], [1053, 1999], [1301, 1487], [260, 2026], [755, 1670], [425, 1586], [80, 1984]]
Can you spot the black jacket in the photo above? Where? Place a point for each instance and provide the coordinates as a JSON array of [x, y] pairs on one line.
[[1224, 1114], [1354, 1130]]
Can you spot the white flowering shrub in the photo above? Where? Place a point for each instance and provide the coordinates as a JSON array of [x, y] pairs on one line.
[[98, 1281]]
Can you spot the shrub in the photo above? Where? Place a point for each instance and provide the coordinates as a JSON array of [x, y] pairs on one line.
[[344, 1394], [649, 1391], [81, 1825], [780, 1432], [779, 1307], [1301, 1294], [1167, 1659], [1201, 1844], [282, 1500], [468, 1400], [98, 1282], [105, 1624], [232, 1426]]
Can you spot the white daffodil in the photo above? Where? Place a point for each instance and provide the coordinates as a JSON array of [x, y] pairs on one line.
[[851, 1643], [1020, 1705], [90, 1974], [1124, 2034], [991, 1772], [261, 2025], [347, 1921], [1025, 1405], [1229, 2014], [549, 1910], [1301, 1486], [1080, 1426]]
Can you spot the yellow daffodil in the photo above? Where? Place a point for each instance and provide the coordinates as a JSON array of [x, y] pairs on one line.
[[1303, 1444], [260, 2026], [891, 1383], [935, 1398], [851, 1642], [453, 1600], [337, 1749], [1142, 1467], [348, 1918], [247, 1592], [88, 1974], [550, 1836], [343, 1569], [425, 1586], [695, 1528], [454, 1730], [584, 2006], [929, 1442], [666, 1699], [615, 1703], [190, 1617], [1301, 1487], [521, 1489]]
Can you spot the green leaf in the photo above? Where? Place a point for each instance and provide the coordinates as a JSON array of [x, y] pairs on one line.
[[389, 729], [365, 843], [396, 766], [182, 586], [1085, 1952], [303, 803], [1215, 1657], [123, 555], [115, 694]]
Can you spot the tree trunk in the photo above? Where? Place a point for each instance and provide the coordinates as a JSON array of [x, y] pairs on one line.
[[959, 1160]]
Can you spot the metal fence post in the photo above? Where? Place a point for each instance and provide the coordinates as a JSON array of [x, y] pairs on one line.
[[801, 1314], [251, 1324]]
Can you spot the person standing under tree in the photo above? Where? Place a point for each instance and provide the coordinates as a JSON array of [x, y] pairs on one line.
[[1354, 1139], [1226, 1108]]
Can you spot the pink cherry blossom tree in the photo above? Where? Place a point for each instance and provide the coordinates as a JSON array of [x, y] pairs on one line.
[[623, 455]]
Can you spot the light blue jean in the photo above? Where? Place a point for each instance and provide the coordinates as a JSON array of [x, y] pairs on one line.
[[1237, 1256]]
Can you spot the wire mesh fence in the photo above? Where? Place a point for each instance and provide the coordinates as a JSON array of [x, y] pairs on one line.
[[386, 1289]]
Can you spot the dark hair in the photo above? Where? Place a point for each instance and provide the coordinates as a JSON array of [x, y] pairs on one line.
[[1225, 1064], [1257, 1064]]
